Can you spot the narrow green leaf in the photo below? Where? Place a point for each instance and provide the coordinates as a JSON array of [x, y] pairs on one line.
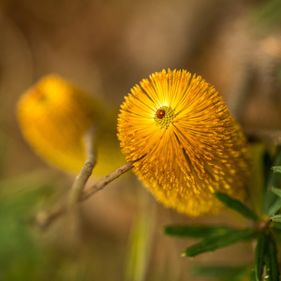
[[276, 218], [276, 191], [195, 231], [261, 249], [275, 207], [272, 261], [236, 205], [271, 198], [276, 169], [276, 225], [215, 242], [252, 275], [225, 272]]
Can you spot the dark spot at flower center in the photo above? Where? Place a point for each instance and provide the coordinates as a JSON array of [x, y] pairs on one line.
[[160, 113], [164, 116]]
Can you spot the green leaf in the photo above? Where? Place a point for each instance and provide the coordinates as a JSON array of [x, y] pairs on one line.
[[276, 191], [221, 272], [236, 205], [276, 225], [252, 275], [270, 198], [272, 261], [219, 241], [195, 231], [21, 254], [276, 218], [261, 249], [276, 169], [275, 207]]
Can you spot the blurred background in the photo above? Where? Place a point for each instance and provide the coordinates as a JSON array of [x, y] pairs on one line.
[[106, 47]]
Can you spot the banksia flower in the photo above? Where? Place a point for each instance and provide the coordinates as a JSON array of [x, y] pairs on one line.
[[54, 117], [186, 140]]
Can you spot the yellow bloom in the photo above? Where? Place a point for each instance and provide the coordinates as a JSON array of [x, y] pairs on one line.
[[190, 144], [54, 117]]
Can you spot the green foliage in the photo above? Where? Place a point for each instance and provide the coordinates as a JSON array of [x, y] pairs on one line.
[[261, 249], [272, 200], [276, 191], [276, 169], [276, 218], [25, 253], [264, 229], [195, 231], [271, 260], [21, 257], [222, 273], [220, 241], [236, 205], [266, 265], [276, 226], [276, 205]]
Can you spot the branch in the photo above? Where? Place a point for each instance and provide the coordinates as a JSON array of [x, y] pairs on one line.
[[106, 180], [45, 219], [79, 194], [86, 171]]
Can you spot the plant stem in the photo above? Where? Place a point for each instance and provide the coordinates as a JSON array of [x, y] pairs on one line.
[[46, 218], [86, 171]]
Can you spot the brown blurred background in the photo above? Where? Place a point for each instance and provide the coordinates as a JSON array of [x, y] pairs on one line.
[[106, 47]]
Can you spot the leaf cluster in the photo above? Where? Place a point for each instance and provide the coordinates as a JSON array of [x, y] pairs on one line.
[[264, 231]]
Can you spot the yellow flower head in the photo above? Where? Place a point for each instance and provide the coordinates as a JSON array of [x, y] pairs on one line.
[[188, 143], [54, 117]]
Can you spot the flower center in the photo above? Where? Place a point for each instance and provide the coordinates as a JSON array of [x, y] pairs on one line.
[[164, 116], [160, 113]]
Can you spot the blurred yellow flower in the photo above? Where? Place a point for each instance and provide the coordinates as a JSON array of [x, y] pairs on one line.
[[54, 117], [190, 144]]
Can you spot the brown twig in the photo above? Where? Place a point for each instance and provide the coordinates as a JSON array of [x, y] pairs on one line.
[[86, 171], [45, 219], [106, 180]]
